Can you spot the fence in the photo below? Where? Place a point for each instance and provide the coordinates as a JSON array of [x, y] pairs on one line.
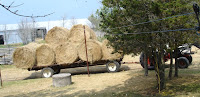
[[6, 55]]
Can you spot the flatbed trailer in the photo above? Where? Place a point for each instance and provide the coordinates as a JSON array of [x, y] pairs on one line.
[[49, 70]]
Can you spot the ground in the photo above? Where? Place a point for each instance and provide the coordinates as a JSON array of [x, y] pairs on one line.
[[130, 81]]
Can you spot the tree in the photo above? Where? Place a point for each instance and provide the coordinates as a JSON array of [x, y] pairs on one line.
[[6, 34], [121, 20], [95, 20], [73, 21], [25, 31], [63, 22]]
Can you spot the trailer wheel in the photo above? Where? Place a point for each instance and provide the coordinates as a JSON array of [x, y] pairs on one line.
[[113, 66], [47, 72], [182, 62], [189, 58], [56, 70]]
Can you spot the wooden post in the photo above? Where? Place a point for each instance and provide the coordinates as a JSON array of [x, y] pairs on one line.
[[86, 52], [1, 78]]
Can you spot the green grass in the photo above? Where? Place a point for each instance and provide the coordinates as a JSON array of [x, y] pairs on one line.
[[11, 45], [20, 82], [6, 66]]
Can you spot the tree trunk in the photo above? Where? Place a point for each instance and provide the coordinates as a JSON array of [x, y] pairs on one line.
[[171, 64], [145, 64], [176, 64], [161, 71]]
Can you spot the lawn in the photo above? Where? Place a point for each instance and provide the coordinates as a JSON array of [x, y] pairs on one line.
[[130, 82]]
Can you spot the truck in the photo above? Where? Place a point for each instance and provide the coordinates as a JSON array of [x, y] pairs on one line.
[[184, 58]]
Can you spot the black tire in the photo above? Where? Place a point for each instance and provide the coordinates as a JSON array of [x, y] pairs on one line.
[[113, 66], [47, 72], [189, 59], [142, 59], [56, 70], [151, 67], [182, 62]]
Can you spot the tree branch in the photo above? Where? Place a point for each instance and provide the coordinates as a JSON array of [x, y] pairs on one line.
[[10, 6], [15, 12]]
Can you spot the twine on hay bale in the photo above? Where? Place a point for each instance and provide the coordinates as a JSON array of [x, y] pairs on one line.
[[45, 55], [66, 53], [107, 51], [94, 51], [77, 33], [57, 35], [24, 57]]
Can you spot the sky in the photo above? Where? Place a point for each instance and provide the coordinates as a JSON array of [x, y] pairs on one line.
[[77, 9]]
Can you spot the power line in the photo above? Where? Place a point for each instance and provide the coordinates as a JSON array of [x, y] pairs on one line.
[[156, 31], [152, 21]]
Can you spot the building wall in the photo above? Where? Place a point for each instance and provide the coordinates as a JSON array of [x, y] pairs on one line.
[[13, 28], [12, 37]]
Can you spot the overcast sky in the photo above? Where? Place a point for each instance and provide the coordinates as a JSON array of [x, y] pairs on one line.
[[70, 8]]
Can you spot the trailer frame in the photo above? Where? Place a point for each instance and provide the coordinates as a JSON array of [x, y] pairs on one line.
[[57, 67]]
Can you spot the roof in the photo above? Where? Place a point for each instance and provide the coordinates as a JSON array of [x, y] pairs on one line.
[[50, 24]]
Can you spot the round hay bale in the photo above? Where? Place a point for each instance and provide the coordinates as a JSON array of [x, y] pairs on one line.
[[66, 53], [77, 33], [107, 51], [45, 55], [93, 49], [57, 35], [24, 57]]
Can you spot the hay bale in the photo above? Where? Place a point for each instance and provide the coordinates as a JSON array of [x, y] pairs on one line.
[[93, 49], [24, 57], [66, 53], [57, 35], [107, 51], [45, 55], [77, 33]]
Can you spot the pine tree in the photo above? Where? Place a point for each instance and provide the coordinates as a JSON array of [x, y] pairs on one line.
[[119, 17]]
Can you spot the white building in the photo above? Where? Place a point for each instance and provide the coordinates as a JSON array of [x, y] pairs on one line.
[[12, 29]]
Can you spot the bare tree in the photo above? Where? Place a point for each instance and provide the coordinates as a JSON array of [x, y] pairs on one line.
[[33, 32], [6, 35], [25, 30], [63, 22], [95, 20], [73, 21]]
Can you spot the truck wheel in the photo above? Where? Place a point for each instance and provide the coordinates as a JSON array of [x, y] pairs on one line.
[[189, 59], [47, 72], [151, 67], [113, 66], [142, 59], [182, 62]]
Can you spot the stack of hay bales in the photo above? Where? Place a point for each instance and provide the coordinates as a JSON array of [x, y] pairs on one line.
[[24, 57], [108, 50], [45, 55], [64, 46], [66, 53], [93, 49]]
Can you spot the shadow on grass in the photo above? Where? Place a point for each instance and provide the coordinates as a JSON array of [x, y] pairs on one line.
[[79, 71], [136, 86]]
